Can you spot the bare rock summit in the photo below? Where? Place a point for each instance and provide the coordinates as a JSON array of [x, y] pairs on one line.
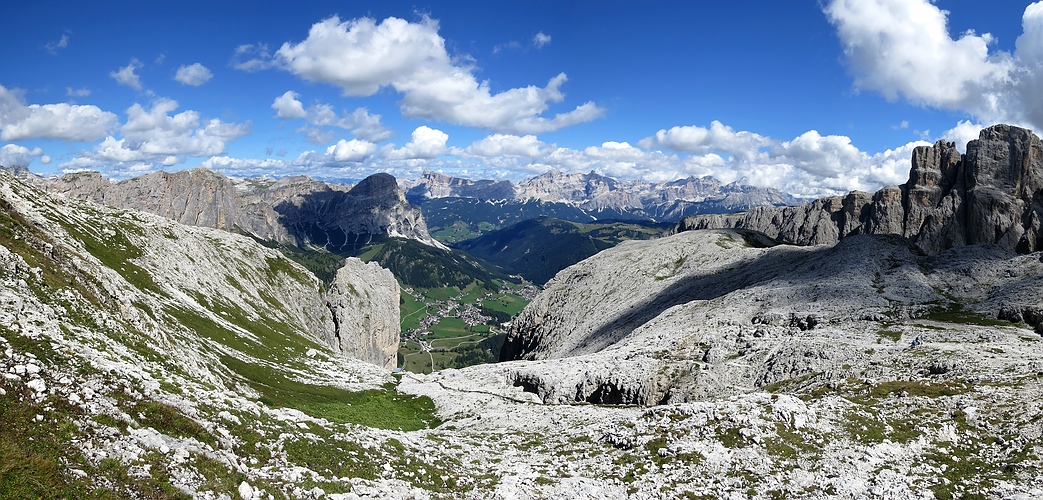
[[991, 194]]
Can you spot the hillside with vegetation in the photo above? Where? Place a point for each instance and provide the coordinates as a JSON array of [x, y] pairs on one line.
[[537, 249]]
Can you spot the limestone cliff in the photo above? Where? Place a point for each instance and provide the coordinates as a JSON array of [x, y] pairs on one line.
[[339, 220], [991, 194], [437, 185], [295, 210], [197, 197], [364, 302]]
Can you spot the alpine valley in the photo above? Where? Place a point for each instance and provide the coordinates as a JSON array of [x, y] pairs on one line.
[[188, 334]]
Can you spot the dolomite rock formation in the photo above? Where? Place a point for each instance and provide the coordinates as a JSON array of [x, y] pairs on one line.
[[358, 317], [294, 210], [991, 194], [433, 184], [721, 312], [364, 302], [196, 197], [337, 220]]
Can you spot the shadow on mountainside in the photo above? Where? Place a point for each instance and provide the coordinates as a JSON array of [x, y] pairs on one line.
[[843, 271], [342, 222], [777, 264]]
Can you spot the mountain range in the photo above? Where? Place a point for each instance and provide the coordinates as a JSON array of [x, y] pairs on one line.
[[302, 213], [602, 197], [294, 210]]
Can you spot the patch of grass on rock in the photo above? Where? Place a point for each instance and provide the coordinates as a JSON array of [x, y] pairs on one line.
[[381, 408]]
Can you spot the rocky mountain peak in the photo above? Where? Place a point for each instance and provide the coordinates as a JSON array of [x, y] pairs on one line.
[[294, 210], [992, 194], [378, 185], [601, 195], [438, 185]]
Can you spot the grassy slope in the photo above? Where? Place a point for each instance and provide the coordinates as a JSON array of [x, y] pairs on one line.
[[38, 449]]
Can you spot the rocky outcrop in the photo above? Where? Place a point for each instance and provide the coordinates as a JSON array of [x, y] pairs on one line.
[[345, 221], [589, 190], [227, 285], [720, 312], [196, 197], [991, 194], [364, 302], [820, 222], [294, 210]]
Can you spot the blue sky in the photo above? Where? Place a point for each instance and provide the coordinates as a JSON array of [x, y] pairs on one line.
[[814, 97]]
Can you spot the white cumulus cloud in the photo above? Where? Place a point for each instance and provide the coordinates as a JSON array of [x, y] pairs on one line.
[[288, 107], [718, 138], [361, 56], [903, 49], [360, 122], [195, 74], [427, 143], [63, 42], [540, 40], [127, 76], [155, 136], [354, 150], [507, 145], [252, 57], [964, 132], [365, 125], [12, 155], [1028, 82], [827, 156], [245, 167], [69, 122]]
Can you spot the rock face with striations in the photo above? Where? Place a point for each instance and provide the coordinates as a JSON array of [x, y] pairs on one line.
[[338, 220], [197, 197], [714, 313], [364, 301], [991, 194], [293, 210], [437, 185]]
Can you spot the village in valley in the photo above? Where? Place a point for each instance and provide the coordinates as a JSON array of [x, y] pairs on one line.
[[453, 328]]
